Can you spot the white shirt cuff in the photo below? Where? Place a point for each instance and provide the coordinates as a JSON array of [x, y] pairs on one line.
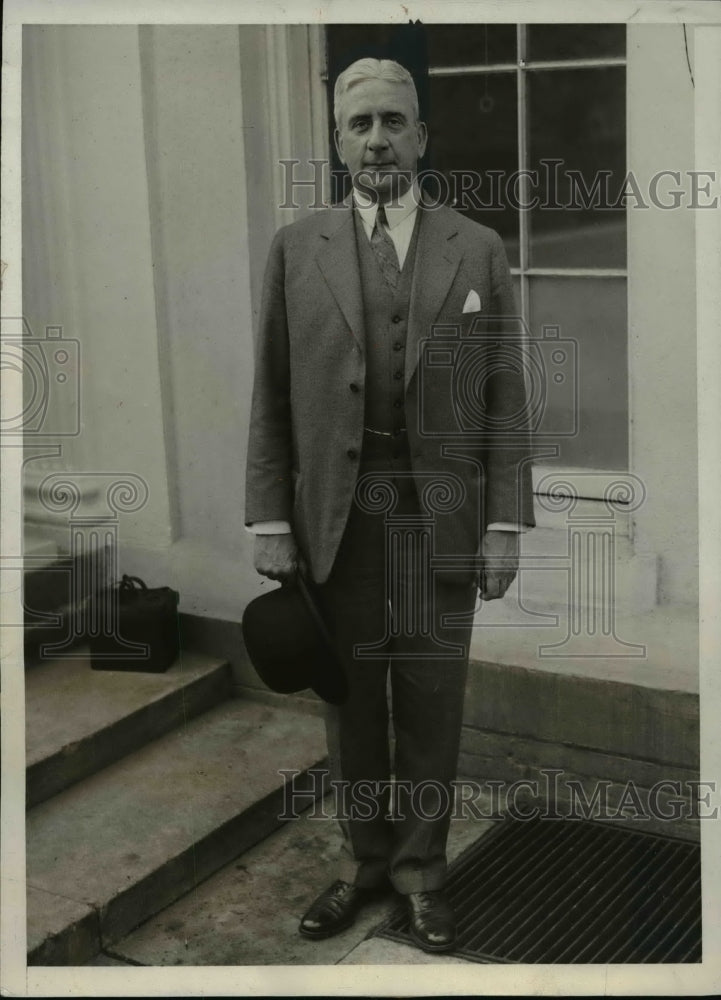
[[269, 528], [284, 528]]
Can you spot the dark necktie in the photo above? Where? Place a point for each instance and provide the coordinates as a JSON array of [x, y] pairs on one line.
[[384, 249]]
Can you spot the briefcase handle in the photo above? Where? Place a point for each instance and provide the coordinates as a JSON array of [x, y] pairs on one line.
[[128, 583]]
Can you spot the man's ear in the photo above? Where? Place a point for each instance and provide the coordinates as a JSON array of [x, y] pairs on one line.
[[422, 132], [338, 138]]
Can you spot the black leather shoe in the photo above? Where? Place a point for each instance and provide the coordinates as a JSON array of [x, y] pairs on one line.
[[335, 910], [432, 922]]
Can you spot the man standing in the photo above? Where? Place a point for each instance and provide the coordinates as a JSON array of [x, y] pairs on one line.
[[342, 446]]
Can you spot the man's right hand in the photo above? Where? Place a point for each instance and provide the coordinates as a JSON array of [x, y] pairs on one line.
[[276, 556]]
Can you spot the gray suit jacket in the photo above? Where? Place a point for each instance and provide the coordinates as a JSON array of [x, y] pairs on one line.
[[306, 426]]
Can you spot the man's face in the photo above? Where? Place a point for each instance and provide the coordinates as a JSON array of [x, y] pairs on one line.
[[378, 138]]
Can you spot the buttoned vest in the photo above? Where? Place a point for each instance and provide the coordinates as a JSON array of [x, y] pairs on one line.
[[385, 311]]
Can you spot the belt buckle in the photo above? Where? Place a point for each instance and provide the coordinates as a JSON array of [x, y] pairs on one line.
[[370, 430]]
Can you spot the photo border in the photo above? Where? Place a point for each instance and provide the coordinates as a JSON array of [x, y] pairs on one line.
[[705, 19]]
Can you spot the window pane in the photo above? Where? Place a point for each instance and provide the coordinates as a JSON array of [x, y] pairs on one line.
[[471, 44], [348, 42], [579, 118], [473, 130], [576, 41], [591, 316]]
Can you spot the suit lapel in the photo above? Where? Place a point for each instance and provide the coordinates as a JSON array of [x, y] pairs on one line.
[[436, 264], [338, 263], [437, 261]]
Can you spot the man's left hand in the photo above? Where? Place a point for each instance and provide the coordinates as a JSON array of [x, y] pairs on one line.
[[499, 551]]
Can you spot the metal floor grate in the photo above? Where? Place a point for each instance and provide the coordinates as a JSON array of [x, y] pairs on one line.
[[567, 891]]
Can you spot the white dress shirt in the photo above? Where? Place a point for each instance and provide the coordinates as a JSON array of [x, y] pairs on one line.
[[401, 216]]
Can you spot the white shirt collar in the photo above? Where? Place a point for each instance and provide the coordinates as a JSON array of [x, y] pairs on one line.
[[397, 210]]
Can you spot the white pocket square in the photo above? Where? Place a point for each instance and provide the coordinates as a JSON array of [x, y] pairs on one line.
[[472, 303]]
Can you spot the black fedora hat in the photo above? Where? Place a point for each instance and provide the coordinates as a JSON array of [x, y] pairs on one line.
[[289, 645]]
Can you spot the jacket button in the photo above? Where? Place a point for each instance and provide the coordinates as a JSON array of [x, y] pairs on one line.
[[397, 375], [398, 346], [352, 453], [353, 387], [398, 403], [397, 318]]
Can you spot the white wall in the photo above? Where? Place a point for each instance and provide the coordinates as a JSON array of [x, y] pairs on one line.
[[136, 241], [662, 310], [195, 156], [151, 198], [87, 263]]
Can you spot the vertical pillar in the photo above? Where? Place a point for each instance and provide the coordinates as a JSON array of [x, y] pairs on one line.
[[88, 264]]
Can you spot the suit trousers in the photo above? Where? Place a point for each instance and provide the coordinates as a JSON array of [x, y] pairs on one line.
[[387, 612]]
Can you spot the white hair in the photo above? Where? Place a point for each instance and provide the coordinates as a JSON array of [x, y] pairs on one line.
[[372, 69]]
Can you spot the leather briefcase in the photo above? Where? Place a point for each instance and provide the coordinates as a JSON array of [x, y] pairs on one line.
[[134, 627]]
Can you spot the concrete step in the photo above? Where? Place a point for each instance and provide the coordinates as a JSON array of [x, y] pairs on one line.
[[50, 583], [79, 720], [37, 546], [248, 912], [112, 850], [56, 633], [54, 592]]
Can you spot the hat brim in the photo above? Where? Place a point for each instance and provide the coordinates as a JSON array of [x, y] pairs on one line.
[[289, 645]]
